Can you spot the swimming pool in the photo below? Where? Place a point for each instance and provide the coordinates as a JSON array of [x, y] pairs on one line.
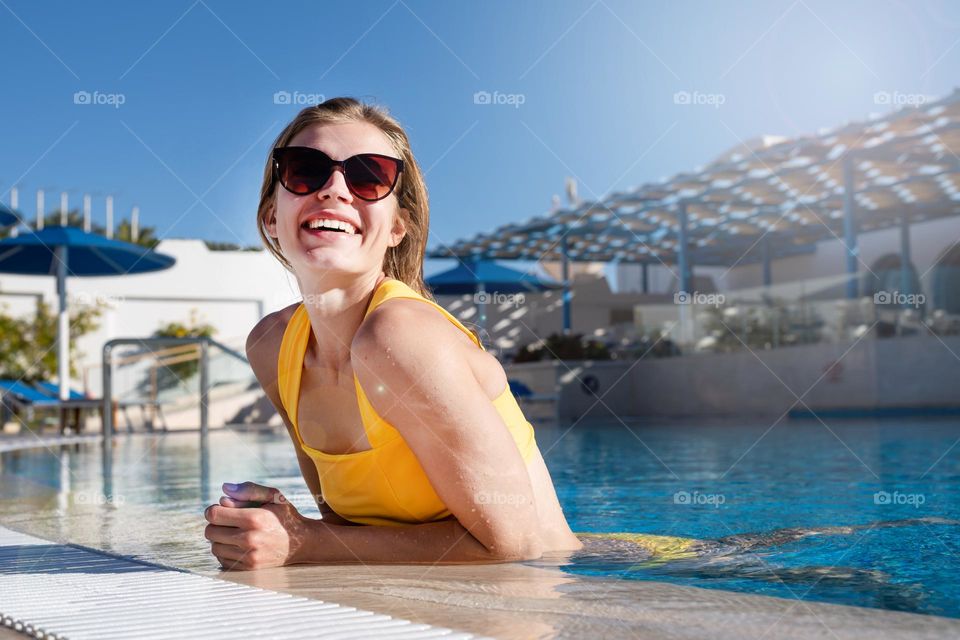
[[713, 480], [861, 513]]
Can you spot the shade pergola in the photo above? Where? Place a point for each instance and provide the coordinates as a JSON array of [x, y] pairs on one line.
[[755, 205]]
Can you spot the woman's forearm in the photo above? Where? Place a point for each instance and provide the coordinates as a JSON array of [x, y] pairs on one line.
[[332, 517], [444, 542]]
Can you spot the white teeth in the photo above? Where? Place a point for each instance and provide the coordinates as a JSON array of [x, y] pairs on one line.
[[326, 223]]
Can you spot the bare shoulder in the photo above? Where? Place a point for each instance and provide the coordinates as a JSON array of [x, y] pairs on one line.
[[263, 341], [404, 322], [412, 334]]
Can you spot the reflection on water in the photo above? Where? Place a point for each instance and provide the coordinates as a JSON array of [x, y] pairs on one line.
[[746, 557], [146, 501], [797, 525], [753, 486]]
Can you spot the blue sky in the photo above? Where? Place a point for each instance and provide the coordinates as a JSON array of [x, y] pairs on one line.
[[596, 79]]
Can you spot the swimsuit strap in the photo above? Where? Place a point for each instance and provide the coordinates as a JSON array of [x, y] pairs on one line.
[[293, 347], [391, 288]]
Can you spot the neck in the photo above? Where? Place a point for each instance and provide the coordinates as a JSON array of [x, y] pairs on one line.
[[335, 309]]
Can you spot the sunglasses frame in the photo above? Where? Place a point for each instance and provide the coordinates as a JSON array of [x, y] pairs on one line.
[[333, 166]]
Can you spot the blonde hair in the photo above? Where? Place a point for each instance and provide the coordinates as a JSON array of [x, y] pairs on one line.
[[403, 262]]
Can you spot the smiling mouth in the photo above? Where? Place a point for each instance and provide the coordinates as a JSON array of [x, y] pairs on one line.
[[322, 230]]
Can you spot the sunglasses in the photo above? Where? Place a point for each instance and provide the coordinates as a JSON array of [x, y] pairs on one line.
[[304, 170]]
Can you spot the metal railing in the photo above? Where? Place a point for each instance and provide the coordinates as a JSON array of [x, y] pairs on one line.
[[168, 352]]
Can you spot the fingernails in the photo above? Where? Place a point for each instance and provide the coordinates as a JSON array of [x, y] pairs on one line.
[[229, 486]]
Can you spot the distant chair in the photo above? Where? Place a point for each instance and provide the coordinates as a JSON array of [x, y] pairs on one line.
[[52, 390], [17, 396]]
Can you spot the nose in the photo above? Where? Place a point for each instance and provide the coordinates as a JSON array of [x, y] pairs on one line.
[[336, 186]]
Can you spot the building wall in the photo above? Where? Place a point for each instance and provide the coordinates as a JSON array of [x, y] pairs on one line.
[[917, 372]]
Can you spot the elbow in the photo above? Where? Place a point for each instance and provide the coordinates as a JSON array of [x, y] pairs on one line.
[[515, 549]]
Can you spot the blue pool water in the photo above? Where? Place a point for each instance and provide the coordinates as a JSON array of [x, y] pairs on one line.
[[869, 507], [895, 484]]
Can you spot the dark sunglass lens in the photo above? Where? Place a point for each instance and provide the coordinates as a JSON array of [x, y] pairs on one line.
[[371, 177], [303, 170]]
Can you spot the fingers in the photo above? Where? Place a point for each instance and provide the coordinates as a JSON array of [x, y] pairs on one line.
[[227, 551], [238, 504], [251, 492], [225, 535], [231, 517], [230, 557]]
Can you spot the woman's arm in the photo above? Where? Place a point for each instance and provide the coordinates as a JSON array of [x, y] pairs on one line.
[[444, 542]]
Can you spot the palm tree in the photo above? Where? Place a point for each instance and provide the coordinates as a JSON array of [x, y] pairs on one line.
[[146, 236]]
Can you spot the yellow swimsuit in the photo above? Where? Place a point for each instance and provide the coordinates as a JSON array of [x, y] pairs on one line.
[[384, 485]]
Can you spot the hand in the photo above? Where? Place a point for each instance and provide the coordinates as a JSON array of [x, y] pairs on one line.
[[254, 527]]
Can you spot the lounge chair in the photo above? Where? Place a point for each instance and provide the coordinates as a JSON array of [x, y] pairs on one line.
[[19, 396]]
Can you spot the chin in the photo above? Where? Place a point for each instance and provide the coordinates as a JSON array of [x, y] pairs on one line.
[[324, 259]]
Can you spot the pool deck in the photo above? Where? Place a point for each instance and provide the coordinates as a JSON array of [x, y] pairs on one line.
[[87, 593], [54, 590], [509, 601]]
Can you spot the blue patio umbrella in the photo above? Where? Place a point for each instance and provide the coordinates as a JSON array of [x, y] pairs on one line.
[[481, 277], [7, 217], [63, 251]]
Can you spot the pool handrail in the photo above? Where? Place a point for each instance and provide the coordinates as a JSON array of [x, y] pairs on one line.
[[204, 343]]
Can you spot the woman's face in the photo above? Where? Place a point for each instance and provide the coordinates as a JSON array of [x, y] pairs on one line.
[[378, 224]]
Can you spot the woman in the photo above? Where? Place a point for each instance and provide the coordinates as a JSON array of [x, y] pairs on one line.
[[402, 422]]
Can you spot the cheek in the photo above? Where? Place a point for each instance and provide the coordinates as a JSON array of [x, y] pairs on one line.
[[286, 211], [381, 220]]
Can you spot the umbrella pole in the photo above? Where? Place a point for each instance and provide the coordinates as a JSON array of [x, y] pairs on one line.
[[63, 325]]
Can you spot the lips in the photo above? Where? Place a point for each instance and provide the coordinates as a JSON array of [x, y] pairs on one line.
[[330, 214], [328, 233]]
